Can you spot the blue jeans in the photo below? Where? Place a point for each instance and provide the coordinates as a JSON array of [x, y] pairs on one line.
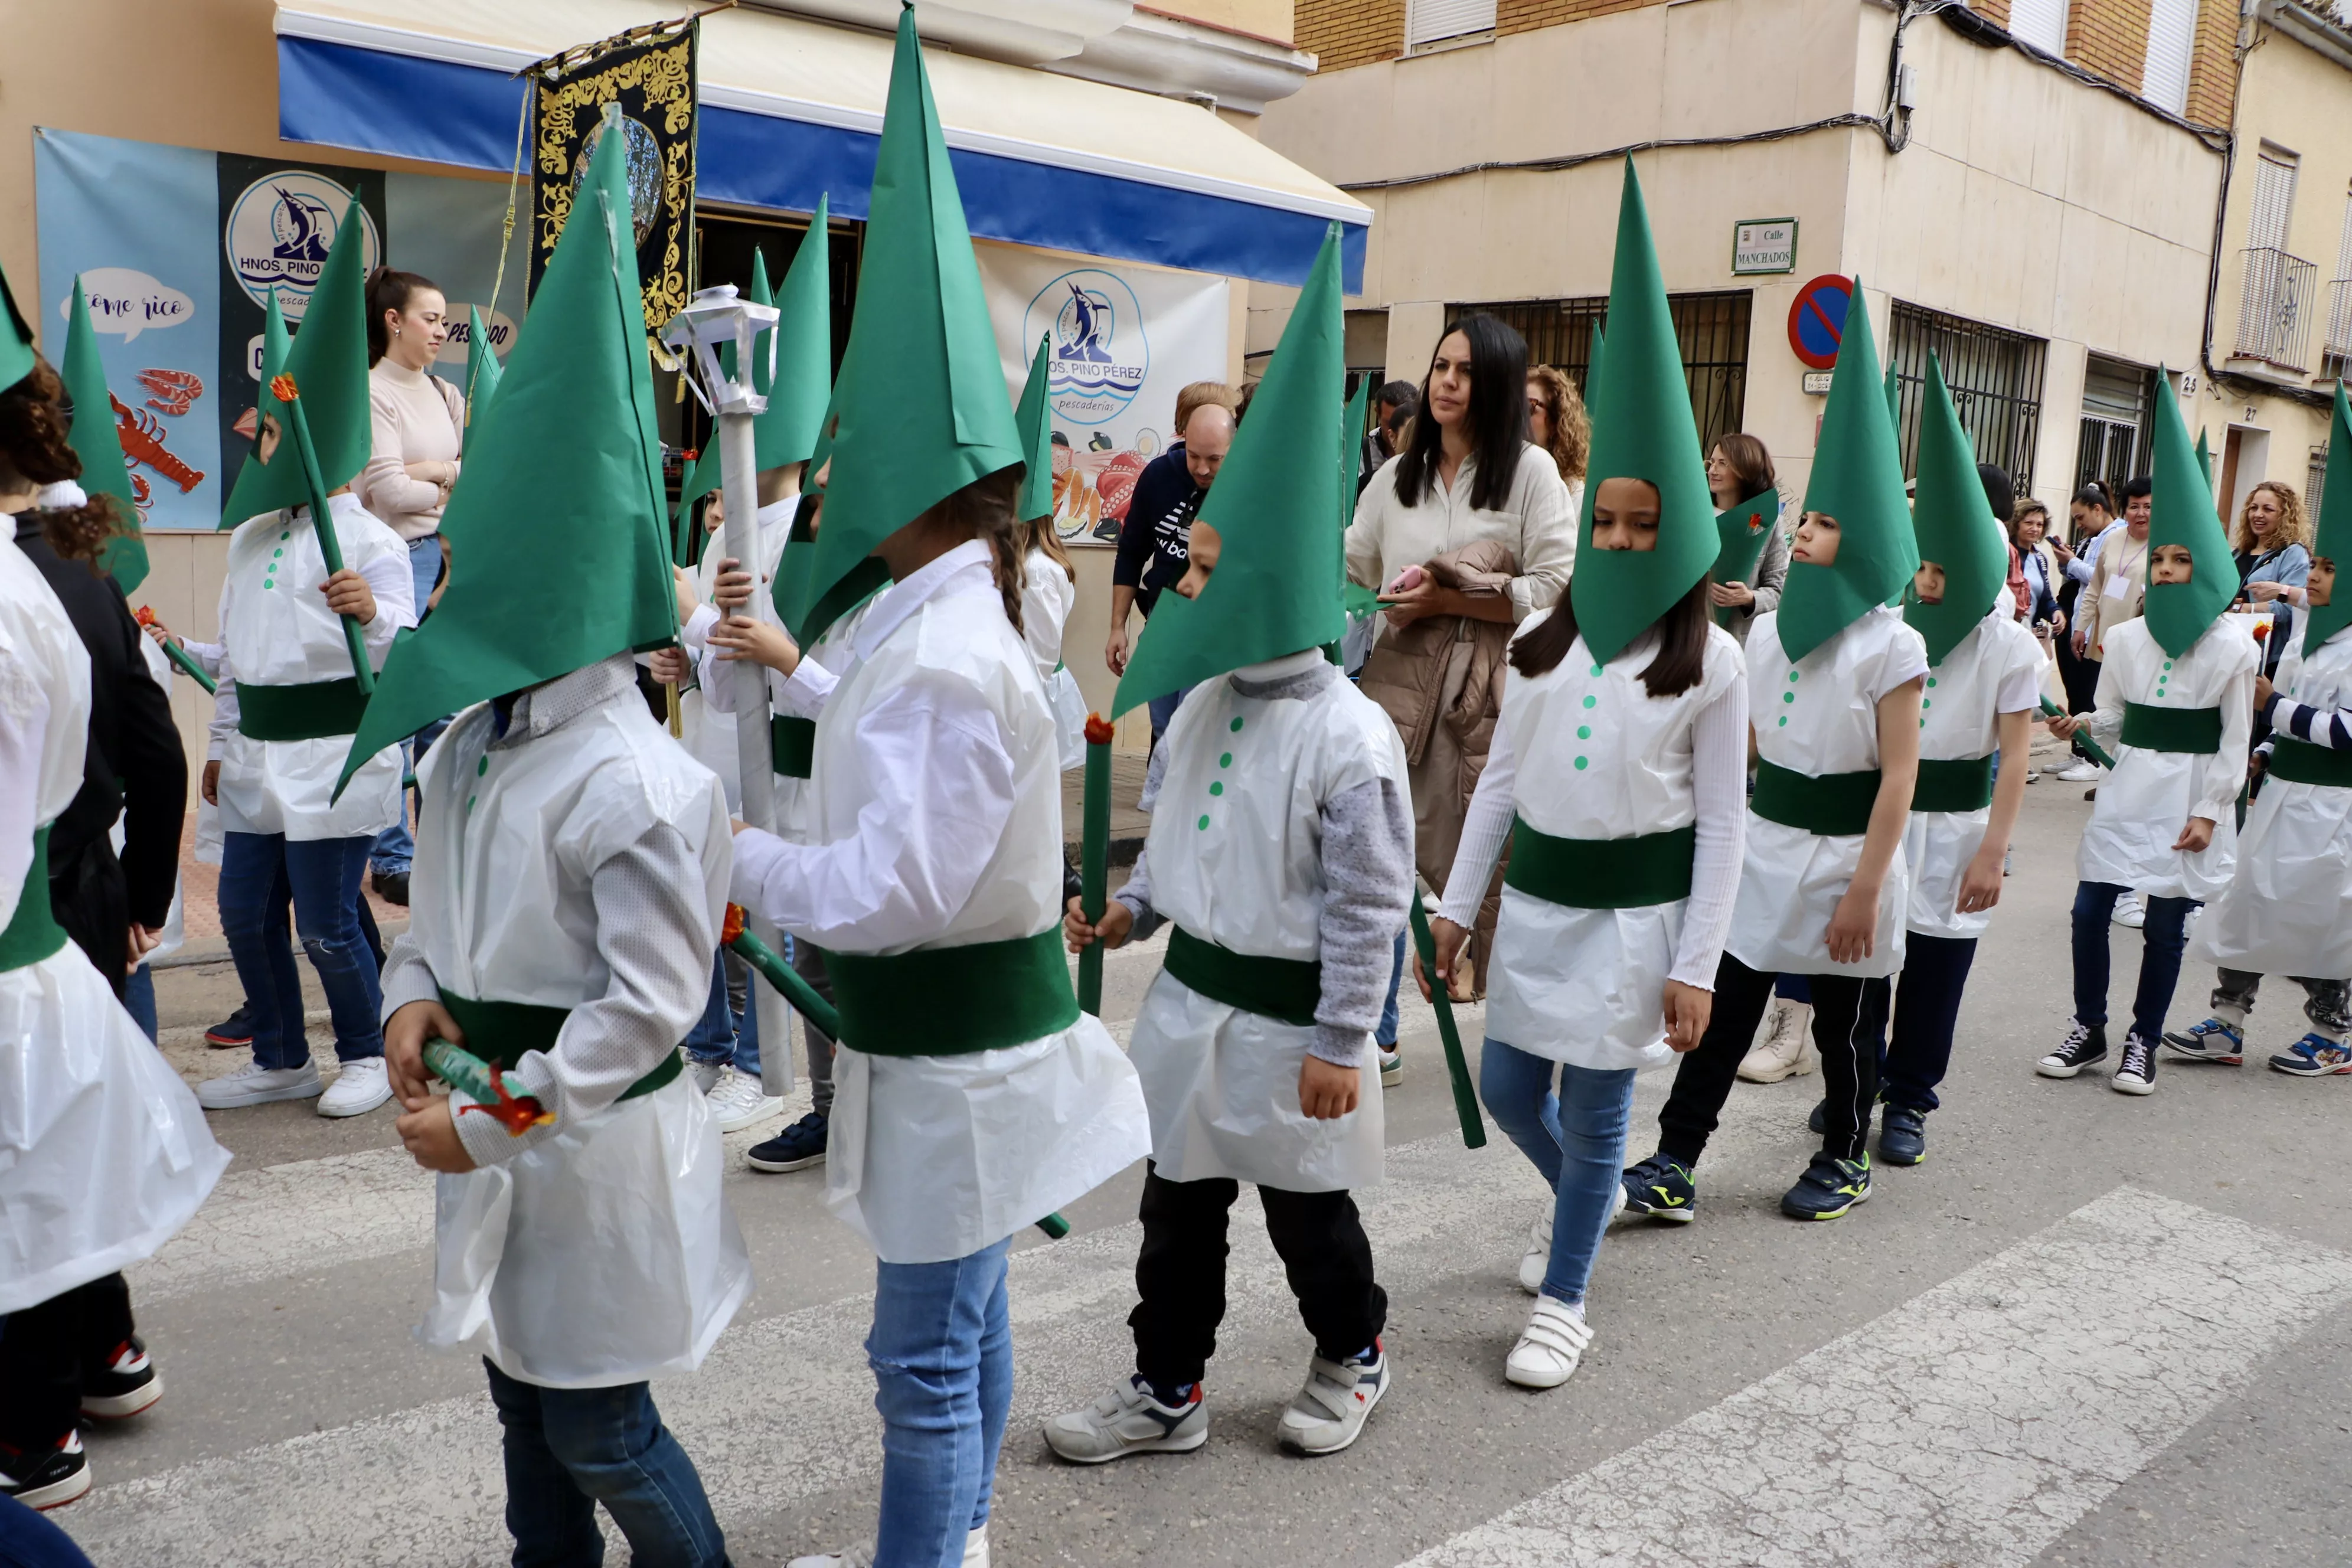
[[1385, 1036], [258, 872], [138, 1000], [1162, 709], [1575, 1137], [568, 1449], [395, 848], [2165, 933], [721, 1034], [941, 1351]]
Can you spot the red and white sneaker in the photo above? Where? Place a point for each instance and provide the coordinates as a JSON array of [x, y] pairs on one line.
[[129, 1384], [1329, 1412], [46, 1481]]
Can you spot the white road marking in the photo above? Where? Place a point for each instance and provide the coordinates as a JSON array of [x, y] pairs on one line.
[[1968, 1429]]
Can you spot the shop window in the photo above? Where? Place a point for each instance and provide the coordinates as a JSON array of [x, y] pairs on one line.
[[1710, 331], [2119, 405], [1994, 376], [1434, 21], [2041, 23], [2171, 40]]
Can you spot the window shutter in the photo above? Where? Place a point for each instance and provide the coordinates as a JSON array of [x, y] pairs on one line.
[[1431, 21], [2041, 23], [2171, 39], [2273, 199]]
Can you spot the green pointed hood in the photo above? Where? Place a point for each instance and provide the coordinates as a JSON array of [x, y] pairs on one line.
[[555, 530], [921, 400], [1955, 526], [1274, 591], [1031, 419], [17, 355], [803, 387], [94, 442], [1741, 533], [482, 373], [2205, 456], [1895, 406], [1643, 429], [276, 344], [1857, 478], [1354, 601], [2181, 513], [2334, 536], [329, 363]]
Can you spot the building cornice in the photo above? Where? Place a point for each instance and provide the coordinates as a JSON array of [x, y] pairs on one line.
[[2323, 36], [1175, 57]]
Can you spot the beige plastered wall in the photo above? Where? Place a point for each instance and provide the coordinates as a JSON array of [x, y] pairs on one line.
[[2023, 200]]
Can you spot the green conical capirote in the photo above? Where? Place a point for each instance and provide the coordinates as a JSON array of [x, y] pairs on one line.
[[329, 363], [2180, 511], [1354, 601], [95, 443], [557, 556], [785, 431], [1275, 589], [920, 400], [2333, 538], [1642, 429], [1857, 478], [276, 344], [482, 373], [1895, 406], [1741, 533], [17, 355], [1955, 526], [2205, 456], [1034, 419]]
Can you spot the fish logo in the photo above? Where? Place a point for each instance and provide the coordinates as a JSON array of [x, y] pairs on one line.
[[1099, 353], [279, 230]]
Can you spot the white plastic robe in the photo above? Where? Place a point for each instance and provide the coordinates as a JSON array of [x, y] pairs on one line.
[[1586, 986], [2288, 907], [606, 1254], [276, 630], [2149, 798], [1995, 669], [1235, 858], [104, 1154], [1817, 716], [1047, 594]]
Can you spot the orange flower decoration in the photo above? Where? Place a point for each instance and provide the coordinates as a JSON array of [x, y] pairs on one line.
[[281, 387], [1098, 731], [2262, 630], [734, 927]]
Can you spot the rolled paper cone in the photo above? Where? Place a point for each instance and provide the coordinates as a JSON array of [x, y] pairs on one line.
[[499, 1096], [2082, 741], [1094, 858], [323, 521], [1465, 1098]]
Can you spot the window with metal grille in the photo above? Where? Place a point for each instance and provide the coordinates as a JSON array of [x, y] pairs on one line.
[[2171, 40], [2118, 412], [1434, 21], [1994, 376], [2275, 172], [2041, 23], [1710, 331]]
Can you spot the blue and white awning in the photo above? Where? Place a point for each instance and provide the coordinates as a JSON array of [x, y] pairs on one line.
[[793, 109]]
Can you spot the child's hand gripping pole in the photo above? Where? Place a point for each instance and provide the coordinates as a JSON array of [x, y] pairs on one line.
[[1094, 859], [1465, 1098], [811, 1006], [179, 655], [493, 1092], [2082, 741], [282, 388]]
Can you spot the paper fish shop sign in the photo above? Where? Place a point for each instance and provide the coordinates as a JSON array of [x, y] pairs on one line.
[[1121, 340]]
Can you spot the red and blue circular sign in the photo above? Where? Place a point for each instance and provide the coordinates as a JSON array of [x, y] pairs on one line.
[[1817, 320]]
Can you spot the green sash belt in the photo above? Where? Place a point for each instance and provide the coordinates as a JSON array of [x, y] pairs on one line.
[[1601, 873], [954, 1001], [1956, 783], [500, 1032], [33, 933], [309, 712], [2153, 729], [1830, 805], [791, 745], [1284, 989], [2300, 761]]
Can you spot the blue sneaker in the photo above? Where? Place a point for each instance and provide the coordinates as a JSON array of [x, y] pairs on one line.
[[796, 1148], [1828, 1188], [1903, 1135], [1658, 1188], [2313, 1055], [2210, 1041]]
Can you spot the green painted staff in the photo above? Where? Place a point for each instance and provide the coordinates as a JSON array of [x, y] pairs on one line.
[[1457, 1067], [499, 1096], [2082, 741], [290, 396], [179, 655], [1094, 859]]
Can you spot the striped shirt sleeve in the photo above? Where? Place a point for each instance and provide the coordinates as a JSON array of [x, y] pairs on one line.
[[2328, 727]]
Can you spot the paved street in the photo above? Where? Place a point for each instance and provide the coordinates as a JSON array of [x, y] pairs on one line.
[[2090, 1330]]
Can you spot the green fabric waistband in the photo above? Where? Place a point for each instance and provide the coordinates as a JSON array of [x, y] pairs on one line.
[[2300, 761], [1284, 989], [500, 1032], [1601, 873], [953, 1001], [309, 712], [1830, 805], [1953, 784], [2154, 728], [33, 932], [791, 745]]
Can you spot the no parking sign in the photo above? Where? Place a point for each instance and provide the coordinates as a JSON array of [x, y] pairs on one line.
[[1817, 320]]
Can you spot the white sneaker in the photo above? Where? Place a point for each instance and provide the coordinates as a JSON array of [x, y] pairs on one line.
[[705, 1075], [2130, 911], [2081, 772], [1550, 1347], [975, 1549], [741, 1102], [1788, 1051], [1391, 1068], [1536, 1262], [1329, 1413], [359, 1088], [1129, 1419], [858, 1556], [254, 1084]]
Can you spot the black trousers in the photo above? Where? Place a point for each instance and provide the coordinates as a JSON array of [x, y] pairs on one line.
[[43, 1351], [1849, 1017], [1181, 1273], [1927, 1011]]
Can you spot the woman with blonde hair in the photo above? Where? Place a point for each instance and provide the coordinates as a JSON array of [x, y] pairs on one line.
[[2273, 544], [1557, 423]]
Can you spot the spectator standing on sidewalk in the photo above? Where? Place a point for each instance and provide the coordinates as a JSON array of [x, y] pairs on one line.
[[1168, 494], [1393, 406]]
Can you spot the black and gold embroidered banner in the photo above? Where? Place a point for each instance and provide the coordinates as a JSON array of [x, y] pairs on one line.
[[650, 75]]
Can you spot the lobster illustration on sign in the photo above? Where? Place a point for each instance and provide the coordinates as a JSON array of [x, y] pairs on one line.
[[142, 435], [170, 391]]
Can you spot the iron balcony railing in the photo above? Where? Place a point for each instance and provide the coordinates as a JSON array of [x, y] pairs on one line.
[[2336, 351], [2274, 307]]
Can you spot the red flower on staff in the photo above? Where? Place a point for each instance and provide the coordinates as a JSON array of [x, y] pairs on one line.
[[281, 387], [734, 927], [1098, 731], [2262, 630]]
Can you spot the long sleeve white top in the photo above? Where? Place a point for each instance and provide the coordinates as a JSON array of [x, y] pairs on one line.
[[1534, 520]]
